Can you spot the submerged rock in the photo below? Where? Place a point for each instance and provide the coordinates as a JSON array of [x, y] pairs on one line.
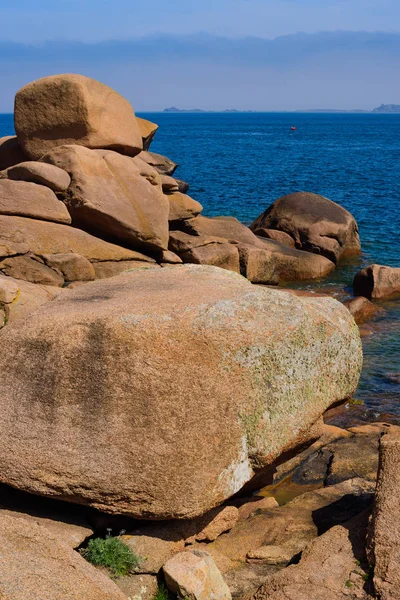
[[315, 223], [74, 109], [104, 377]]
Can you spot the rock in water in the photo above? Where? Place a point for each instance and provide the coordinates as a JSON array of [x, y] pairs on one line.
[[159, 393], [73, 109], [377, 281], [315, 223]]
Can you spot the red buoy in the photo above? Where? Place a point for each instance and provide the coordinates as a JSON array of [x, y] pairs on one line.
[[293, 128]]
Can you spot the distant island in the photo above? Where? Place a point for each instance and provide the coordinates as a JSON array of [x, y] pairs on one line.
[[387, 108], [174, 109]]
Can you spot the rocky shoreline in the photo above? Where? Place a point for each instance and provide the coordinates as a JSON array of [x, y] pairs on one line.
[[160, 389]]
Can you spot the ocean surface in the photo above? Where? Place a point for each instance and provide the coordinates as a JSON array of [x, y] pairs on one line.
[[238, 164]]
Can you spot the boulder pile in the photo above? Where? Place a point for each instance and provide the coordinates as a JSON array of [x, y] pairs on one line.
[[142, 374], [81, 160]]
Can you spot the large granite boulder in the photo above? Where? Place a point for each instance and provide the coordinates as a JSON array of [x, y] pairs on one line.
[[73, 109], [109, 196], [100, 380], [20, 198], [315, 223], [377, 281]]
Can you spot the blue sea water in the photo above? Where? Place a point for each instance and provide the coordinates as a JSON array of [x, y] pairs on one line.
[[238, 164]]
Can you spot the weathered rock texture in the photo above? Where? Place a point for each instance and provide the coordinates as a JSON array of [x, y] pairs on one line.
[[315, 223], [109, 196], [73, 109], [31, 200], [104, 376], [384, 543], [377, 281], [34, 563]]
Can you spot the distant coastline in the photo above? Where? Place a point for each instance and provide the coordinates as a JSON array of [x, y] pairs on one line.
[[383, 109]]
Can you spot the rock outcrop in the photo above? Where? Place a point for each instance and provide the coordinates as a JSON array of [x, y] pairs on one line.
[[35, 563], [384, 542], [73, 109], [377, 281], [332, 567], [105, 376], [315, 223]]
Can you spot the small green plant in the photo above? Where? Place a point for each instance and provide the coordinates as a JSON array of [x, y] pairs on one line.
[[112, 553], [161, 593], [349, 584]]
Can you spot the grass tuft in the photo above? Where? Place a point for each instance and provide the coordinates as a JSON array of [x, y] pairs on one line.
[[112, 553], [161, 593]]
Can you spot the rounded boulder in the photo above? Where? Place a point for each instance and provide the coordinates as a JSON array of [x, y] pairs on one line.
[[315, 223], [158, 394]]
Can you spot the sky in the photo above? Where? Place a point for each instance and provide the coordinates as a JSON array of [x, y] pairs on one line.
[[213, 54]]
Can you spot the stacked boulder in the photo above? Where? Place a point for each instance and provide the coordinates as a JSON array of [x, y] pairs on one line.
[[82, 197]]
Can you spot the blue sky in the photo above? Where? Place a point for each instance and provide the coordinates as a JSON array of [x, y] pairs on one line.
[[93, 20], [212, 54]]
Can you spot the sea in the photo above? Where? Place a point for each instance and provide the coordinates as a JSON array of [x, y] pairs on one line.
[[239, 163]]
